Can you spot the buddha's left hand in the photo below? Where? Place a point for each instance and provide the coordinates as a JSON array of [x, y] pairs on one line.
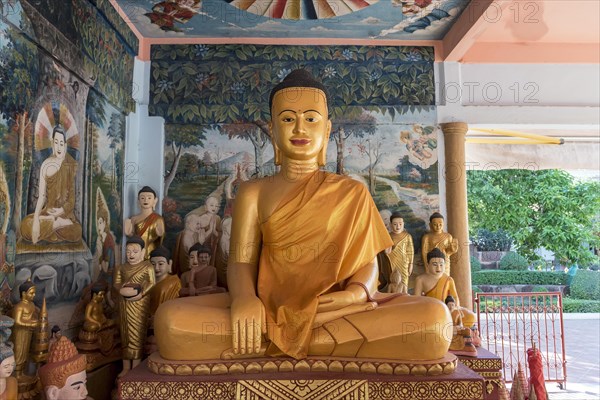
[[56, 212], [336, 300]]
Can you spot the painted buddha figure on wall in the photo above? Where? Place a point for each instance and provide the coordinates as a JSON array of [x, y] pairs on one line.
[[54, 218], [302, 270]]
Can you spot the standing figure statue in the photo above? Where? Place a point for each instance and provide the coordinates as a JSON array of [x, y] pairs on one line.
[[167, 286], [54, 218], [437, 238], [402, 253], [148, 225], [134, 280], [302, 267], [26, 316]]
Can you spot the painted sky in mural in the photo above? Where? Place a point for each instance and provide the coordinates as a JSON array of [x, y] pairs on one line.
[[383, 19]]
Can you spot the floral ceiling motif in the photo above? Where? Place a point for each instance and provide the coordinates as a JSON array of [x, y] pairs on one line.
[[352, 19]]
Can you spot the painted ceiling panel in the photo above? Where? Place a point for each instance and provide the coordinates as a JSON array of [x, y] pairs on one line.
[[352, 19]]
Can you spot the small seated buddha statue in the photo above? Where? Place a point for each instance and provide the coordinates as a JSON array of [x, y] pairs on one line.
[[302, 270], [167, 286], [64, 376], [462, 342], [202, 277], [95, 319], [148, 225], [437, 284], [437, 238]]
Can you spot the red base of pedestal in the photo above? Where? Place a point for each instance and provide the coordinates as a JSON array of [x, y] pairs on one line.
[[489, 366], [140, 383]]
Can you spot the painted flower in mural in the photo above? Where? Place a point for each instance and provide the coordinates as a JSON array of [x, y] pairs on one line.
[[414, 56], [201, 79], [347, 54], [283, 73], [237, 88], [200, 50], [375, 75], [329, 72], [164, 85]]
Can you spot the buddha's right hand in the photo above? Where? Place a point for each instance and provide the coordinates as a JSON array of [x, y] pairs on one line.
[[35, 231], [248, 322]]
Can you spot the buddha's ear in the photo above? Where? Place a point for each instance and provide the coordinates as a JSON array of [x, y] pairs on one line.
[[52, 392], [170, 270]]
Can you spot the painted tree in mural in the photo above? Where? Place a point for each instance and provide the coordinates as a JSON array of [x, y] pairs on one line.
[[372, 149], [354, 121], [18, 88], [257, 133], [227, 86], [180, 137], [115, 131]]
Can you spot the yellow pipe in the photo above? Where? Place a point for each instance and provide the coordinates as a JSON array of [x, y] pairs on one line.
[[533, 136], [507, 141]]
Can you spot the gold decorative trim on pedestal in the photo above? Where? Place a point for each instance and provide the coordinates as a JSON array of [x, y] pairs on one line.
[[478, 364], [443, 366], [304, 389]]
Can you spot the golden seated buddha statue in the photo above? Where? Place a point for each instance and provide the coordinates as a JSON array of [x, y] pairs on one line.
[[302, 271]]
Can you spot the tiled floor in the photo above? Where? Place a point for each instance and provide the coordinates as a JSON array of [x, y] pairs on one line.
[[582, 345]]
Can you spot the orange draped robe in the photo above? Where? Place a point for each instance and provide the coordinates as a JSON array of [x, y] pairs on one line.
[[311, 256]]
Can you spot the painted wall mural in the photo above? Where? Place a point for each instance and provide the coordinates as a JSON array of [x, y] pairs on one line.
[[64, 92], [356, 19], [215, 101]]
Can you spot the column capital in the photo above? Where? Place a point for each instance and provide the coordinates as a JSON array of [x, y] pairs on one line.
[[454, 128]]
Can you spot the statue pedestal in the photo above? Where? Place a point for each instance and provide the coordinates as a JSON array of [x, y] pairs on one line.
[[100, 348], [489, 366], [141, 383]]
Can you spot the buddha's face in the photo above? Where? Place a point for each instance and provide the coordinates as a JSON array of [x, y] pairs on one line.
[[300, 125], [436, 266], [59, 147], [74, 388], [203, 259], [212, 205], [162, 266], [147, 200], [29, 295], [134, 253], [193, 259], [7, 367], [99, 297], [437, 225], [101, 225], [451, 305], [397, 225]]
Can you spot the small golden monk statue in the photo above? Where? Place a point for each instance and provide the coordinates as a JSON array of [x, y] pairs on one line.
[[462, 342], [64, 376], [8, 384], [202, 277], [95, 320], [402, 253], [167, 286], [437, 238], [148, 225], [302, 270], [54, 218], [26, 316], [437, 284], [133, 280]]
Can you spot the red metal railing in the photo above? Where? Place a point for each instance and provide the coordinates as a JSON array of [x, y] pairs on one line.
[[509, 323]]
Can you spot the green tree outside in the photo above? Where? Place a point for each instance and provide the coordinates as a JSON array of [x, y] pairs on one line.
[[546, 208]]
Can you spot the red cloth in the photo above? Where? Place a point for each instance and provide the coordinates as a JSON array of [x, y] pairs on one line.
[[536, 373]]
